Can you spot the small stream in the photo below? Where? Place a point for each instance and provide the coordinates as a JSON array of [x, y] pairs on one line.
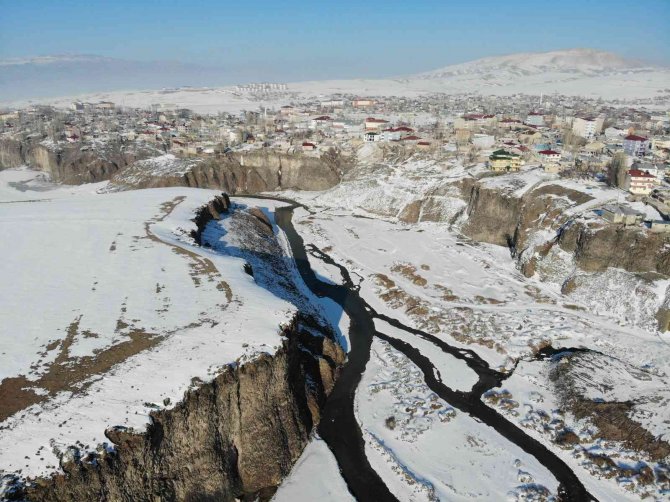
[[339, 427]]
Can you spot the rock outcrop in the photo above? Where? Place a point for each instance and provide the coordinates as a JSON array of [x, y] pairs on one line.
[[11, 153], [243, 173], [72, 164], [233, 438], [499, 217], [210, 211]]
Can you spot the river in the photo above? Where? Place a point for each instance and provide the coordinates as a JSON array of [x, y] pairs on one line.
[[339, 427]]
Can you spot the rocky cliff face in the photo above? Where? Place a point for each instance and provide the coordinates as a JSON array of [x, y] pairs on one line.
[[238, 172], [11, 153], [498, 217], [242, 173], [235, 437], [631, 249], [72, 164]]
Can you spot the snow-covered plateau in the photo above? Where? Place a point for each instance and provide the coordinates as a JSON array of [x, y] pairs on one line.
[[113, 315], [492, 360]]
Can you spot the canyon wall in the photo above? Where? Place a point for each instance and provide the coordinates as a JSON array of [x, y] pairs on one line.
[[235, 172], [242, 173], [72, 164], [235, 437]]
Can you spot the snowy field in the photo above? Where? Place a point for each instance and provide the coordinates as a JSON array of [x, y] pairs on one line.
[[110, 311], [472, 295]]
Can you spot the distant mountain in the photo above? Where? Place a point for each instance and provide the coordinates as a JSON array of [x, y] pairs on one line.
[[50, 76], [582, 62]]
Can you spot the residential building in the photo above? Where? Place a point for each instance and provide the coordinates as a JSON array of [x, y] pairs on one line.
[[321, 122], [396, 133], [502, 160], [622, 215], [547, 156], [363, 103], [535, 119], [636, 146], [373, 124], [593, 149], [587, 127], [412, 138], [510, 123], [641, 182], [472, 120], [371, 137], [333, 103]]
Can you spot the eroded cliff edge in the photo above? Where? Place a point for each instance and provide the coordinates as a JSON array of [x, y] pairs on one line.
[[234, 437], [132, 166]]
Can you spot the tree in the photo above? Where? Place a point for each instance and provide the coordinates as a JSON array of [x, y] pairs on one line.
[[616, 170], [472, 155]]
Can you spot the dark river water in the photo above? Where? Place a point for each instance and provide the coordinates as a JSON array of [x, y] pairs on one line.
[[339, 427]]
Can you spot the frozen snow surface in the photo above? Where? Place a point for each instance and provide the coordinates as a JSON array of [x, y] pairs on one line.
[[90, 271], [472, 295], [109, 310]]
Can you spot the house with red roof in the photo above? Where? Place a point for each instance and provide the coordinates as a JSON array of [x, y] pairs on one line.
[[641, 182], [321, 122], [396, 133], [473, 120], [549, 156], [373, 124]]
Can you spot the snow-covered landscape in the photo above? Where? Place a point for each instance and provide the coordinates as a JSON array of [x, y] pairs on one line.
[[357, 252], [176, 309]]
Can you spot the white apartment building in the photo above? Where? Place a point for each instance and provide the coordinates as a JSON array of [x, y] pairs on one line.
[[587, 127]]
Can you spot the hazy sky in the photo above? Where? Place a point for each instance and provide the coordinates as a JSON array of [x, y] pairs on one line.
[[330, 38]]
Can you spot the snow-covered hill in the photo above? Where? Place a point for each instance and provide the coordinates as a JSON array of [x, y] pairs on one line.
[[575, 72], [582, 62]]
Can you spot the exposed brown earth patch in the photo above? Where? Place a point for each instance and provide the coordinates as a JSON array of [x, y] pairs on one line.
[[68, 373], [408, 271], [611, 418]]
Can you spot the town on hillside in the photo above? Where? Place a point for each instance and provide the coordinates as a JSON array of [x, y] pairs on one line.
[[618, 144]]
